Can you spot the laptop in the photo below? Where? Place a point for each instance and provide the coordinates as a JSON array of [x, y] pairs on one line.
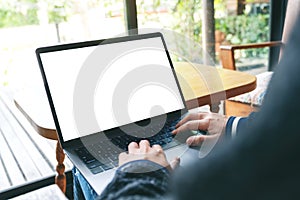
[[105, 94]]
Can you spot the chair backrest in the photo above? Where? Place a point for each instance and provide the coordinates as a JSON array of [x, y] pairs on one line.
[[292, 13]]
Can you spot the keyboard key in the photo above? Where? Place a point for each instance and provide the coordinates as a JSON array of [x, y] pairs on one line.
[[94, 164], [103, 156], [89, 160], [97, 170], [115, 163], [107, 167]]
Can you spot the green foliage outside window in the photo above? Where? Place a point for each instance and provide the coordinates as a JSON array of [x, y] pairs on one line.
[[18, 13], [58, 10], [245, 29], [15, 13], [238, 29], [186, 18]]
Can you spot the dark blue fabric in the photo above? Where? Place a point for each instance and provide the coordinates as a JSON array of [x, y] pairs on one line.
[[228, 127], [140, 179], [242, 125], [262, 163], [245, 123]]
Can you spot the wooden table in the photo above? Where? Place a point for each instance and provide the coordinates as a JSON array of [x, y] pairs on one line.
[[201, 85], [205, 85]]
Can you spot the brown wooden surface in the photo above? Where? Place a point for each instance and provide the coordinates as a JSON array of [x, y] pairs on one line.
[[60, 179], [33, 104], [252, 45], [233, 108], [203, 85]]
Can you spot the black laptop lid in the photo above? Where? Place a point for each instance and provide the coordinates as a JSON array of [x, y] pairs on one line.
[[100, 85]]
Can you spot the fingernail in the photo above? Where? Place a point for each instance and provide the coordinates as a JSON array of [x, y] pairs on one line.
[[189, 142], [201, 139]]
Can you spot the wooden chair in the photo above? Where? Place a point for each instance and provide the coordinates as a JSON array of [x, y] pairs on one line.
[[228, 59]]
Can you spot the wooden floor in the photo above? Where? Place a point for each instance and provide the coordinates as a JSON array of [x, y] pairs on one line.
[[25, 156]]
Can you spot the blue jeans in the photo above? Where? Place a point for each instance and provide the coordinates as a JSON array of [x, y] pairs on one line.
[[81, 188]]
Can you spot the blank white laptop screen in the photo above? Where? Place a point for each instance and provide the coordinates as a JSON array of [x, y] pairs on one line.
[[62, 69]]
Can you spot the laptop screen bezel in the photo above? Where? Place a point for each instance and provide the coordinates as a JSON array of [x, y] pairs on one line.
[[62, 47]]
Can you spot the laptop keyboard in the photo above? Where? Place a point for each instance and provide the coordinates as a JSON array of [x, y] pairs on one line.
[[103, 155], [97, 165]]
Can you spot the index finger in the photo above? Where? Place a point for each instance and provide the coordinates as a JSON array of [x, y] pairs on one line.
[[144, 146], [192, 125], [132, 147], [190, 117]]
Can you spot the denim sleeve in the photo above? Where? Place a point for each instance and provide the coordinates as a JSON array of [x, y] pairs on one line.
[[141, 179]]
